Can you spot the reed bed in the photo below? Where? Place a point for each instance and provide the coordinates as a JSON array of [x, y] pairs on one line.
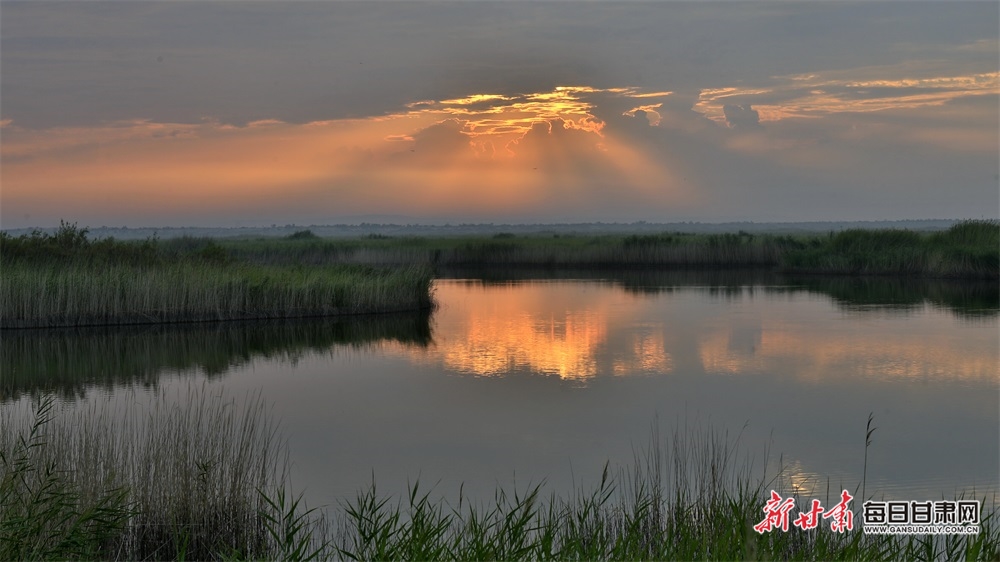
[[693, 498], [529, 251], [65, 279], [34, 295], [177, 481], [205, 479], [970, 249]]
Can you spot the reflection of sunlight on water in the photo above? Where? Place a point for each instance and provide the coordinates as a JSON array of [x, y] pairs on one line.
[[552, 329], [494, 345], [577, 331], [718, 356], [648, 355], [796, 479]]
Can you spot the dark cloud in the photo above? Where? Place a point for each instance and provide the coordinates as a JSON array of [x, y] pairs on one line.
[[94, 62], [741, 116]]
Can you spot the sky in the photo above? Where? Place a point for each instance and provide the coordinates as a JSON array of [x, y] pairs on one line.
[[286, 112]]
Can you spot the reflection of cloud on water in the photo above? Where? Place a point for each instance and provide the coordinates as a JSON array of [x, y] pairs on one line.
[[566, 330], [648, 355], [582, 330], [565, 346], [877, 347]]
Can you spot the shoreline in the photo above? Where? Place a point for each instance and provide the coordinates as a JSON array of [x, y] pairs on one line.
[[66, 279]]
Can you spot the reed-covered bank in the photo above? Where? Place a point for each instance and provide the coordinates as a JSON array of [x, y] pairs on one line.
[[65, 279], [206, 480], [505, 250], [970, 249], [73, 362], [43, 295]]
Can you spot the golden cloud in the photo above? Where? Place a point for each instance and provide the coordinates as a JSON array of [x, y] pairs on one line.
[[482, 151]]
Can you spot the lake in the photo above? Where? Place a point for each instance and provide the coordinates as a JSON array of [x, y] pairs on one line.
[[547, 376]]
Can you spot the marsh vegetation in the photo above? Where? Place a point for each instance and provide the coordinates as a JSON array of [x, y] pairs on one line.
[[206, 480], [178, 481], [970, 249], [65, 279]]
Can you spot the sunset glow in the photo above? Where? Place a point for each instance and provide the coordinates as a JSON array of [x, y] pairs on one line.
[[483, 150], [561, 125]]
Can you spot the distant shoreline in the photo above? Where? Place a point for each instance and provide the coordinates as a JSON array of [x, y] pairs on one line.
[[354, 229], [969, 249]]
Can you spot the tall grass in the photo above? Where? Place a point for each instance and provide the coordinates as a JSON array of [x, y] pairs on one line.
[[205, 480], [181, 481], [40, 295], [969, 249], [693, 498], [65, 279]]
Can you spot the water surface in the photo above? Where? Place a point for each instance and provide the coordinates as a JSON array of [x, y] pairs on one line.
[[521, 380]]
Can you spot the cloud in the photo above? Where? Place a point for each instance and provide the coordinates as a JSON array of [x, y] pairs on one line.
[[99, 62], [910, 85], [741, 116], [661, 111], [442, 142]]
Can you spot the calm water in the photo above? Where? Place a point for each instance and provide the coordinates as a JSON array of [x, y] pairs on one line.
[[518, 381]]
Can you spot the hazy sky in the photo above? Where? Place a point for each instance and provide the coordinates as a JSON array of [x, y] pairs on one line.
[[246, 113]]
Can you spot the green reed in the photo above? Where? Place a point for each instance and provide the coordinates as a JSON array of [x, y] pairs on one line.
[[693, 498], [194, 480], [64, 279], [206, 480], [969, 249], [40, 295]]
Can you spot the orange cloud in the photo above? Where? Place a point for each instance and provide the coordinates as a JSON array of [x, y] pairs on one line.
[[479, 153], [858, 91]]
